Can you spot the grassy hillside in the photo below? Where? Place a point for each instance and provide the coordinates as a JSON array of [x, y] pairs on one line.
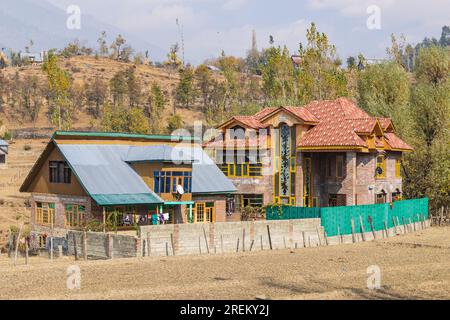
[[84, 69]]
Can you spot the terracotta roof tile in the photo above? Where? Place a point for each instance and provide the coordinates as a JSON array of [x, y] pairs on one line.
[[264, 112], [395, 142], [302, 113], [250, 121]]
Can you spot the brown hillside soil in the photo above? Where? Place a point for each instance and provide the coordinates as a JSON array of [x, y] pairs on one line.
[[20, 161], [83, 69], [413, 266]]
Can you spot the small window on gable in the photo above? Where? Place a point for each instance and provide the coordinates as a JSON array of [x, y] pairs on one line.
[[59, 172]]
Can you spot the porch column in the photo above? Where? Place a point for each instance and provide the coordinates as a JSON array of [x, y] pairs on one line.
[[190, 213]]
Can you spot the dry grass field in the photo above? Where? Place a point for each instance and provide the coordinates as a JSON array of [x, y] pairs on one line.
[[413, 266], [83, 70], [20, 161]]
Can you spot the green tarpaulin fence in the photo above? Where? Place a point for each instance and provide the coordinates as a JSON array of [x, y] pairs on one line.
[[333, 217]]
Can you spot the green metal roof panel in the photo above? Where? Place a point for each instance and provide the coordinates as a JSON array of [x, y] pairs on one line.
[[125, 199], [123, 135]]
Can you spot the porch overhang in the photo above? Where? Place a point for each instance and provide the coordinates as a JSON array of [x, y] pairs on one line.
[[126, 199]]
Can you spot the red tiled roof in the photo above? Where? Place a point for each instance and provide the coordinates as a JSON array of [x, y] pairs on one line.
[[261, 114], [340, 123], [395, 142], [335, 127], [364, 126], [337, 123], [385, 122], [302, 113], [250, 121]]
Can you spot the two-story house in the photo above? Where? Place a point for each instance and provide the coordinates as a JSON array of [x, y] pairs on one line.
[[83, 177], [326, 153]]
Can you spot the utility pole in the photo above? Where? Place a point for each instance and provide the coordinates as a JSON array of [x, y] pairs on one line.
[[180, 31]]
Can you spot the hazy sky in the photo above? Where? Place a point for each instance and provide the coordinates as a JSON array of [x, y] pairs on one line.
[[212, 25]]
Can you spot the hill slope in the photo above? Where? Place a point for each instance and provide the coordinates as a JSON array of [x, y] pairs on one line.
[[83, 70]]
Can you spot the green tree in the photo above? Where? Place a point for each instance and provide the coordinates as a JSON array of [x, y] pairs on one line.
[[156, 108], [119, 119], [119, 87], [185, 92], [383, 91], [96, 94], [319, 75], [427, 170], [174, 122], [278, 74], [433, 65], [59, 83]]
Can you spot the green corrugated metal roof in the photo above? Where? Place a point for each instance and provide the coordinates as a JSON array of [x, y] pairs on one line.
[[122, 135], [125, 199]]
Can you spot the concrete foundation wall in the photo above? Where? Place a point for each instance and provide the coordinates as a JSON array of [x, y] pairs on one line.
[[101, 245], [229, 237]]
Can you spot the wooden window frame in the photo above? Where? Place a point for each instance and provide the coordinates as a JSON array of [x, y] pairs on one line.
[[44, 209], [398, 173], [340, 157], [59, 172], [328, 166], [77, 213]]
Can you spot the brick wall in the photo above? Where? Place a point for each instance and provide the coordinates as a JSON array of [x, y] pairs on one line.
[[60, 202]]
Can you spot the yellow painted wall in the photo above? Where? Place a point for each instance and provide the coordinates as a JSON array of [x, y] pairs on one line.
[[145, 170], [41, 183]]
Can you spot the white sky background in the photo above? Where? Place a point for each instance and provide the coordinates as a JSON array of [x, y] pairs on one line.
[[212, 25]]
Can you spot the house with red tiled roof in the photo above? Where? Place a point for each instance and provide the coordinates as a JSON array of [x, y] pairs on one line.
[[326, 153]]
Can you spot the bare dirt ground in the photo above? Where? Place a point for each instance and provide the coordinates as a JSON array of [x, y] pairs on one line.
[[413, 266], [20, 161]]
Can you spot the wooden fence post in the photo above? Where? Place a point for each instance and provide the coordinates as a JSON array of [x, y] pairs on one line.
[[270, 238], [173, 245], [75, 249], [386, 230], [352, 222], [372, 227], [206, 240], [251, 245], [149, 250], [339, 234], [404, 225], [318, 236], [17, 244], [26, 251], [362, 228], [243, 240], [85, 253], [237, 246], [395, 225], [304, 239]]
